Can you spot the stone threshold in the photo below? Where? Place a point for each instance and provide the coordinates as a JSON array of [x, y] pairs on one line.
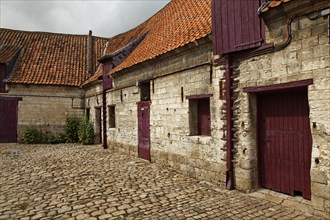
[[294, 202]]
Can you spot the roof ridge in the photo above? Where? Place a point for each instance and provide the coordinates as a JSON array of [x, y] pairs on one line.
[[177, 24], [50, 33], [141, 24]]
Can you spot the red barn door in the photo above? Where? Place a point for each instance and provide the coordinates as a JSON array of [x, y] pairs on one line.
[[8, 120], [285, 142]]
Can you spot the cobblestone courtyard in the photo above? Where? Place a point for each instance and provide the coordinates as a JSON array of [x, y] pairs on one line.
[[86, 182]]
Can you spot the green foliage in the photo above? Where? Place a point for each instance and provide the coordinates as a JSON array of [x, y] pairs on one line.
[[76, 130], [71, 129], [86, 132], [61, 138], [32, 135]]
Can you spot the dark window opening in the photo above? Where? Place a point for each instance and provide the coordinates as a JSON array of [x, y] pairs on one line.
[[88, 113], [145, 91], [200, 117], [2, 77], [112, 116]]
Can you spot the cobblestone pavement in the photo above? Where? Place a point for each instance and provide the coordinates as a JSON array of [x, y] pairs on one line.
[[86, 182]]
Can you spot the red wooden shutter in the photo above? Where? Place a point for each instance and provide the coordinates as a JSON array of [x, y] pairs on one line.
[[236, 25], [204, 117], [107, 81]]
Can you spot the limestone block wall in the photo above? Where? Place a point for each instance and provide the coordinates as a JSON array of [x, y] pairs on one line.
[[46, 107], [306, 57], [124, 137], [93, 102], [171, 142], [189, 70]]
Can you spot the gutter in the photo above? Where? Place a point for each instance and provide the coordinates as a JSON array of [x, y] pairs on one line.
[[323, 10]]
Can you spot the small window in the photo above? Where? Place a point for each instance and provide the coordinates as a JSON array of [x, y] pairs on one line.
[[199, 117], [145, 91], [88, 113], [112, 116]]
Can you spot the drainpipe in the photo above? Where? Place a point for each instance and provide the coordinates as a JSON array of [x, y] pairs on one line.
[[104, 109], [106, 85], [229, 122]]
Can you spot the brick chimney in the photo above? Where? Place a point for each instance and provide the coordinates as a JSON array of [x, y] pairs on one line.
[[90, 54]]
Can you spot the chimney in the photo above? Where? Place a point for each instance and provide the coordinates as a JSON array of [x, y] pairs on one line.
[[90, 63]]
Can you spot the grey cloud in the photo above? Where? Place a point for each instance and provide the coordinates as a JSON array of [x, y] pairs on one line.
[[105, 18]]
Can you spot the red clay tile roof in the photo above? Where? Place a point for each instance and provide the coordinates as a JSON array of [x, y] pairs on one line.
[[7, 53], [49, 58], [177, 24], [270, 4]]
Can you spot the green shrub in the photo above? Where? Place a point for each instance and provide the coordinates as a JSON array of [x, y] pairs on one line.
[[61, 138], [86, 132], [49, 138], [71, 129], [32, 135]]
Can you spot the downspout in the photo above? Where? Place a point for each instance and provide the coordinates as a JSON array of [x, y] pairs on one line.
[[229, 131], [106, 85], [104, 109]]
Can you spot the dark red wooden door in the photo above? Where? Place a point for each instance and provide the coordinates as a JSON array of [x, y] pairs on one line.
[[144, 130], [8, 120], [204, 119], [285, 142]]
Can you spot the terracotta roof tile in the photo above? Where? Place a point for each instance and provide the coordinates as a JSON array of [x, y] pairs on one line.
[[270, 4], [177, 24], [49, 58], [7, 53]]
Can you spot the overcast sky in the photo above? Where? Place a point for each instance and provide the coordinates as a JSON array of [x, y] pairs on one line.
[[105, 18]]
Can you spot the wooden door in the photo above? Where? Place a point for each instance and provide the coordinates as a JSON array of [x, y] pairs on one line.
[[144, 130], [8, 120], [285, 142]]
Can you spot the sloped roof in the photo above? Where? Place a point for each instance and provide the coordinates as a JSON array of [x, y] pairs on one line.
[[49, 58], [270, 4], [7, 53], [177, 24]]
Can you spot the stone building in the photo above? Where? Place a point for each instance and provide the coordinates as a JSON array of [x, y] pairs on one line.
[[40, 75], [222, 98], [162, 98], [279, 96]]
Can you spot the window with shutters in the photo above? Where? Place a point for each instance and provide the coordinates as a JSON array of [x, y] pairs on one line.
[[199, 116]]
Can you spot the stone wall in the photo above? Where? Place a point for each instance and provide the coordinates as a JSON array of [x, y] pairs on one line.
[[93, 102], [171, 142], [46, 107], [306, 57], [187, 69]]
